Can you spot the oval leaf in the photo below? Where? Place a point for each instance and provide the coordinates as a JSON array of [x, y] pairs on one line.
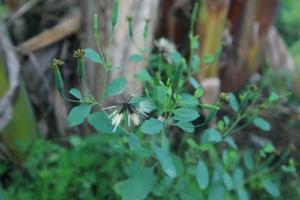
[[151, 126], [76, 93], [136, 188], [185, 114], [78, 114], [211, 135], [101, 122], [233, 102], [116, 87], [186, 126], [202, 175], [166, 161], [262, 124], [92, 55]]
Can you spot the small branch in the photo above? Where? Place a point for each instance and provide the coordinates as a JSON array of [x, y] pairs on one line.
[[68, 26]]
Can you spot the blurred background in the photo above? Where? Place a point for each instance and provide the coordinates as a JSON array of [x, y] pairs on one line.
[[249, 37]]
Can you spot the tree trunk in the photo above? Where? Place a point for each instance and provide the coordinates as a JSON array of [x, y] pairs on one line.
[[251, 22], [121, 47]]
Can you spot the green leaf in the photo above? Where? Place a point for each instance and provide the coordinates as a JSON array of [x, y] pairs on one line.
[[185, 114], [136, 58], [166, 161], [233, 102], [92, 55], [136, 147], [144, 76], [242, 193], [138, 186], [187, 101], [115, 13], [210, 59], [248, 160], [116, 87], [273, 97], [151, 126], [76, 93], [262, 124], [216, 192], [194, 82], [238, 177], [228, 182], [198, 93], [230, 141], [202, 175], [101, 122], [175, 57], [211, 135], [271, 188], [186, 126], [78, 114], [178, 74]]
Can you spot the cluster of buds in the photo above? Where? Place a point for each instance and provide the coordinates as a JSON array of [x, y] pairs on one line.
[[79, 54], [224, 97]]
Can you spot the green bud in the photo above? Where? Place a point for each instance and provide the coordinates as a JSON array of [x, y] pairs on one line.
[[57, 75], [96, 27], [115, 13], [129, 20], [146, 29]]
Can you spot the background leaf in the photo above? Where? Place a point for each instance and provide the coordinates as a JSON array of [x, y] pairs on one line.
[[136, 58], [271, 188], [262, 124], [116, 87], [138, 186], [211, 135], [202, 175]]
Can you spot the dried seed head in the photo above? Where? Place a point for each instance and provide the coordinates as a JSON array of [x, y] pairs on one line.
[[78, 54]]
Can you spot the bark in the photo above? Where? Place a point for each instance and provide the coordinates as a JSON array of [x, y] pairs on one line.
[[250, 24], [210, 28], [121, 47]]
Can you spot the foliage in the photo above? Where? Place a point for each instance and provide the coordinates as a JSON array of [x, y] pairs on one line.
[[170, 151]]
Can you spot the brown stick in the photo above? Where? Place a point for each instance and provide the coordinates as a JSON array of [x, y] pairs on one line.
[[68, 26]]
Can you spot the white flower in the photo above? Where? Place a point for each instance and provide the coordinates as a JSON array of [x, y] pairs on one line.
[[135, 112], [165, 46], [116, 120]]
